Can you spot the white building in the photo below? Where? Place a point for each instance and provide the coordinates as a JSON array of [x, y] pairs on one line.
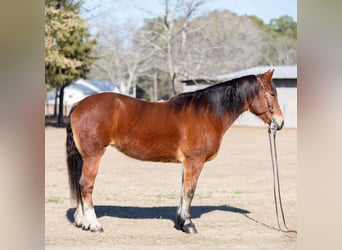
[[80, 89], [76, 91]]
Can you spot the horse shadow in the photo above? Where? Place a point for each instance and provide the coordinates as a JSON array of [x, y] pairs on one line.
[[169, 213]]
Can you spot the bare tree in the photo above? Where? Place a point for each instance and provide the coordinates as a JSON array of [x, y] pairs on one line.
[[168, 38], [194, 46], [226, 43], [119, 58], [281, 50]]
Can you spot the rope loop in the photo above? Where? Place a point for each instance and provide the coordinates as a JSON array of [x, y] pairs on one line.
[[276, 185]]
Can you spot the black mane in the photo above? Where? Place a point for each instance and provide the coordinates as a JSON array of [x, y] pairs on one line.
[[228, 96]]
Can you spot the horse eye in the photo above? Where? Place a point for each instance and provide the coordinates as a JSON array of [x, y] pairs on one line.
[[272, 94]]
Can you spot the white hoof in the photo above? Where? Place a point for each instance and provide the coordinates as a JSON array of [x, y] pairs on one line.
[[89, 221]]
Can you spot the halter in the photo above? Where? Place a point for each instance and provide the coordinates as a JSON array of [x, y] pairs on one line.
[[270, 108]]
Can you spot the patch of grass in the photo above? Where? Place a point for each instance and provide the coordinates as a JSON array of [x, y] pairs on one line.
[[243, 192], [112, 197], [169, 196], [201, 196], [53, 199]]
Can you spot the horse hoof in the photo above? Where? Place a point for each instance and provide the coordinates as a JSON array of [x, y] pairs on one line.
[[179, 226], [97, 230], [189, 228]]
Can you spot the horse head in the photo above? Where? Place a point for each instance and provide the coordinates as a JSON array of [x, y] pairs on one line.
[[265, 105]]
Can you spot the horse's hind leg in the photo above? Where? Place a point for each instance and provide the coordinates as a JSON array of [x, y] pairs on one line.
[[191, 172], [78, 215], [89, 172]]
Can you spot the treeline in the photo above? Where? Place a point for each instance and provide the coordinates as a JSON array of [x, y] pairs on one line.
[[162, 53]]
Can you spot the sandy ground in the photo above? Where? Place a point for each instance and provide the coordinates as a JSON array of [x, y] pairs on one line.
[[136, 201]]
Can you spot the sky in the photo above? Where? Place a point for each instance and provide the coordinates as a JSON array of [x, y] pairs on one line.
[[134, 11]]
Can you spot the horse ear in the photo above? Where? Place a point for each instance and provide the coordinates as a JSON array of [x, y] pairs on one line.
[[268, 75]]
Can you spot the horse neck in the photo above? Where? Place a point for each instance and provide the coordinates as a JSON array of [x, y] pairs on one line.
[[230, 118]]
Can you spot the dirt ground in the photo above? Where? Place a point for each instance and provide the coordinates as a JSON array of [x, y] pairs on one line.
[[136, 201]]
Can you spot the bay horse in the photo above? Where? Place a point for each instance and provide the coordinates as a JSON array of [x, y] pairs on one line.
[[188, 129]]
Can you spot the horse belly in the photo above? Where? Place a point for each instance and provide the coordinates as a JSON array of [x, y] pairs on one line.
[[148, 143], [147, 151]]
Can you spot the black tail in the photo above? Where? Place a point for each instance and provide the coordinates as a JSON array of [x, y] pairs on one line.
[[74, 161]]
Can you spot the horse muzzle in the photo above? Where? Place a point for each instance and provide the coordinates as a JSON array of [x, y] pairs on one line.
[[277, 122]]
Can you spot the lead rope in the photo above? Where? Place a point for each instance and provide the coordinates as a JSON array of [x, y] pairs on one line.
[[274, 157]]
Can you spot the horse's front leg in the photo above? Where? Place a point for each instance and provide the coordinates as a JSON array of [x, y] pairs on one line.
[[191, 172]]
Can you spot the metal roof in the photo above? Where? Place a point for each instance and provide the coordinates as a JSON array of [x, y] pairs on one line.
[[280, 72], [89, 87]]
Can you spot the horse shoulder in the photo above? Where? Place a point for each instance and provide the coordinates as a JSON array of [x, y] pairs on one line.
[[201, 138]]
